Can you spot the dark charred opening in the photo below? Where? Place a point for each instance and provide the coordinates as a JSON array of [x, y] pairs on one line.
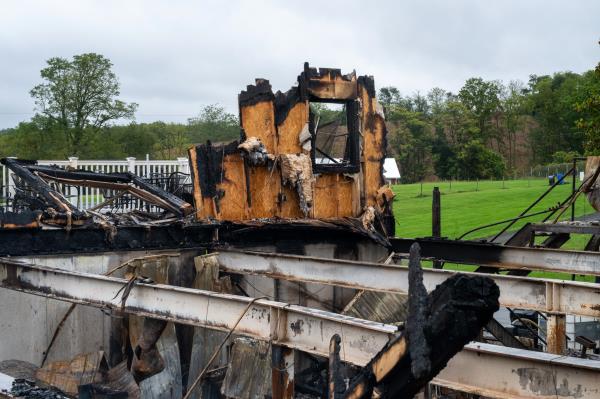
[[334, 136]]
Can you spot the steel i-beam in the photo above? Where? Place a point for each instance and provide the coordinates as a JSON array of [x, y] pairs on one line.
[[546, 295]]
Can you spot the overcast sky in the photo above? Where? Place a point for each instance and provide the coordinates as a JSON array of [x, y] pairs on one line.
[[174, 57]]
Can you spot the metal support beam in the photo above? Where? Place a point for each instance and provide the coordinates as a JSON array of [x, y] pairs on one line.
[[500, 372], [569, 228], [283, 324], [516, 372], [499, 256], [546, 295]]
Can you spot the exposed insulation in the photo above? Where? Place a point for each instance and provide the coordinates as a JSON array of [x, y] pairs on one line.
[[296, 170]]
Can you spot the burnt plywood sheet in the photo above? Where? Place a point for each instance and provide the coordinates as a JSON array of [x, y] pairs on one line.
[[249, 372]]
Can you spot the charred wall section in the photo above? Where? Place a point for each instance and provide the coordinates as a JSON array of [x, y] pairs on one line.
[[272, 172]]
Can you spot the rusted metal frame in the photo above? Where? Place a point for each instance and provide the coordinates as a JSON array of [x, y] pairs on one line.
[[136, 192], [502, 372], [545, 295], [501, 256], [283, 324], [41, 187], [282, 372], [556, 334]]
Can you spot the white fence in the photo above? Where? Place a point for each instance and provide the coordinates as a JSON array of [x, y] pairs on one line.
[[88, 197]]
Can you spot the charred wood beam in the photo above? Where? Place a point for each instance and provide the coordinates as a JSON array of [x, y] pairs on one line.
[[505, 257], [174, 201], [52, 197], [439, 326], [24, 241], [282, 324], [545, 295], [57, 172]]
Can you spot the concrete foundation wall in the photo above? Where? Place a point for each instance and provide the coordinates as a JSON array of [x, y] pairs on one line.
[[27, 322]]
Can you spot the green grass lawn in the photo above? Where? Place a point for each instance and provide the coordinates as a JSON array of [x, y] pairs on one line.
[[470, 204]]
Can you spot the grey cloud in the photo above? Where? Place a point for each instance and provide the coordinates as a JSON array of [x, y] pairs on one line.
[[173, 57]]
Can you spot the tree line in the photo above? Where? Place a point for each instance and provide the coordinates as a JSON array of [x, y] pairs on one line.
[[490, 129], [77, 110], [487, 129]]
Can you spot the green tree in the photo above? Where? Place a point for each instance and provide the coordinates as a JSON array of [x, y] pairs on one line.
[[476, 161], [213, 123], [588, 110], [512, 103], [79, 95], [552, 103], [410, 138], [482, 98]]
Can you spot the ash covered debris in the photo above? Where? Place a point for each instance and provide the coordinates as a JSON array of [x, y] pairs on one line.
[[27, 389], [255, 151]]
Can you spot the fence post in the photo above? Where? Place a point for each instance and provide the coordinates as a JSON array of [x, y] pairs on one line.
[[184, 166], [436, 220], [73, 162], [10, 184], [131, 164]]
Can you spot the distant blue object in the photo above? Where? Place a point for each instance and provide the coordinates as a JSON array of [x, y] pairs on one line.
[[561, 178]]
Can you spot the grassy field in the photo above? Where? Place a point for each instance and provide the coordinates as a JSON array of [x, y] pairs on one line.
[[466, 205]]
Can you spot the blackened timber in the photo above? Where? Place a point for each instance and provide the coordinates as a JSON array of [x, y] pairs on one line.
[[25, 241], [210, 166], [454, 314], [184, 207], [55, 171]]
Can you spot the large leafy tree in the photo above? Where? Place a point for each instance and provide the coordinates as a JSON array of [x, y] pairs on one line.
[[79, 95], [482, 98]]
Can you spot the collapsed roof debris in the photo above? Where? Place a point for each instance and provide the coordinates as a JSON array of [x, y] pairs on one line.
[[36, 193]]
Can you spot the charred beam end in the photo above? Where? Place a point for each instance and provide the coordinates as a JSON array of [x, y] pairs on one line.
[[418, 308], [458, 309], [336, 382], [183, 207], [57, 172]]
